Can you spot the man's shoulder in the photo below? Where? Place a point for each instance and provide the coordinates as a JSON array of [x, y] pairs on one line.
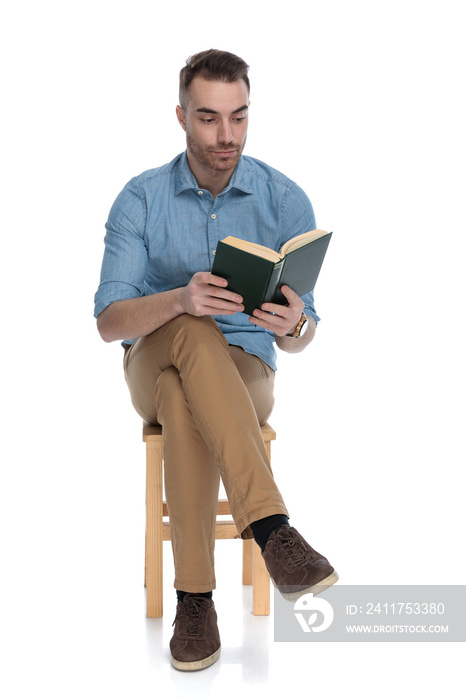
[[260, 175], [153, 176], [262, 171]]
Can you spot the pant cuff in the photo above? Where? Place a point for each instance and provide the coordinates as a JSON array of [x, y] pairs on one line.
[[245, 521], [190, 587]]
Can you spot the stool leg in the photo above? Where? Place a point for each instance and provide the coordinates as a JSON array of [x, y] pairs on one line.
[[261, 578], [247, 562], [261, 587], [154, 520]]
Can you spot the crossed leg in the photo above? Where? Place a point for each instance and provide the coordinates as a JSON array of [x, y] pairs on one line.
[[186, 377]]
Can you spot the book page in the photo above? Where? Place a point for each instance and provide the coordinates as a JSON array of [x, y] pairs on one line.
[[255, 248], [301, 240]]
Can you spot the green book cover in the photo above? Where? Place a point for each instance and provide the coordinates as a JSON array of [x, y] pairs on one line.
[[301, 269], [258, 280], [246, 274]]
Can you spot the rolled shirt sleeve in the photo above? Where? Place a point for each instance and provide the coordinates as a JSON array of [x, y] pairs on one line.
[[125, 256], [298, 217]]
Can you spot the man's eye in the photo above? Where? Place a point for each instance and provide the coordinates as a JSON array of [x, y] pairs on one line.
[[208, 120]]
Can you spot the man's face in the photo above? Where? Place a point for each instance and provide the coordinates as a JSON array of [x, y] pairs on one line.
[[216, 123]]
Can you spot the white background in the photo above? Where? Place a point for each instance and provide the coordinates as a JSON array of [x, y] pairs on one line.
[[361, 103]]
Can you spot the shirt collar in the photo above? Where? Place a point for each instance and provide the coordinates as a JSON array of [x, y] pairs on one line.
[[185, 180]]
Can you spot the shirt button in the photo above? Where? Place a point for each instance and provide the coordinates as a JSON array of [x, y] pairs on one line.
[[214, 216], [200, 192]]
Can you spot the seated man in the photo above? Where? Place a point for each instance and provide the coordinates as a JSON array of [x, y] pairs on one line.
[[194, 363]]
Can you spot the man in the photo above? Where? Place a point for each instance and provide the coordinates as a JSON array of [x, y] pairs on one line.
[[196, 364]]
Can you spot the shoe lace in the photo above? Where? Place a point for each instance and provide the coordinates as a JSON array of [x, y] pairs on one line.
[[296, 551], [191, 615]]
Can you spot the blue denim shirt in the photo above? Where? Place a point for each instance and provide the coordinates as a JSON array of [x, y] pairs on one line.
[[163, 228]]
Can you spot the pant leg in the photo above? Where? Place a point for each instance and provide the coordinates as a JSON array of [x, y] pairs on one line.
[[258, 379], [191, 466], [220, 405], [191, 488]]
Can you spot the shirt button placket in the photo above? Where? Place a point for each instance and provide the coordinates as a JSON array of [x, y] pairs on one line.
[[212, 236]]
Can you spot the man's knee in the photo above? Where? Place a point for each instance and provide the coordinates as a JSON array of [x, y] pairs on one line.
[[199, 331]]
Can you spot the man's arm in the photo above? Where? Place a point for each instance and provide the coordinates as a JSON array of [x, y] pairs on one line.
[[297, 344], [282, 320], [135, 318]]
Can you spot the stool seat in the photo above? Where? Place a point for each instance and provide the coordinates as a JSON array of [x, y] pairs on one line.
[[158, 530]]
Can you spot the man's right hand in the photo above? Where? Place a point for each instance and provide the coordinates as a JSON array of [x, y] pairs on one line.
[[206, 295]]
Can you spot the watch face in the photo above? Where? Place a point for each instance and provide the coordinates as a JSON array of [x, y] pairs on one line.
[[302, 330]]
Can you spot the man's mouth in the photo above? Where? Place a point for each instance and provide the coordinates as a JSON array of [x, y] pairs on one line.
[[225, 154]]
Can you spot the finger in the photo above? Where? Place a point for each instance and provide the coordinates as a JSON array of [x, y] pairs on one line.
[[216, 287], [280, 322], [295, 303], [274, 309], [215, 280], [223, 306], [294, 307], [223, 299], [268, 320], [217, 309], [264, 323], [220, 311], [289, 294], [224, 295]]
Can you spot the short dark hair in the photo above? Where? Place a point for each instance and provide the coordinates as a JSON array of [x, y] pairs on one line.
[[212, 65]]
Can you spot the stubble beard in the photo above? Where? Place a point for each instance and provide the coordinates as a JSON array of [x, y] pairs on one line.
[[208, 159]]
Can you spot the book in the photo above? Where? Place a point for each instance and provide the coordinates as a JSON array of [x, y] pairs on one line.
[[257, 272]]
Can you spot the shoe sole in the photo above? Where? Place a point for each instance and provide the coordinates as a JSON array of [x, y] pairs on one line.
[[196, 665], [315, 589]]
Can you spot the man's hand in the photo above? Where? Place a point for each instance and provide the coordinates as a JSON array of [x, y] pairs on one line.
[[279, 319], [206, 295]]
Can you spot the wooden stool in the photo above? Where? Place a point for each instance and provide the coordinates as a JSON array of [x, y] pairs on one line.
[[158, 531]]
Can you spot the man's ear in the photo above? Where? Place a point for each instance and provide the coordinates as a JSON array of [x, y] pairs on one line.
[[181, 116]]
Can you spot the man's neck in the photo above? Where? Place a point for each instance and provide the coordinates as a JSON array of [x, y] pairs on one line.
[[214, 181]]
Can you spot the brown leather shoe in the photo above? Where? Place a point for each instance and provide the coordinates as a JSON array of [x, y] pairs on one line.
[[294, 567], [196, 641]]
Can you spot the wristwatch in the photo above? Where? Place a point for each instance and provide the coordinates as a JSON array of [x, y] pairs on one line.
[[300, 328]]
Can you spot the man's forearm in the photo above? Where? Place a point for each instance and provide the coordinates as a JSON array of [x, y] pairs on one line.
[[291, 345], [205, 294], [136, 318]]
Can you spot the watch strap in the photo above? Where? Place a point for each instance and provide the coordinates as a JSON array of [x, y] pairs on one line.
[[297, 330]]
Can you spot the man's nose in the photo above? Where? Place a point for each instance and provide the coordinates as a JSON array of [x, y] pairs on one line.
[[225, 134]]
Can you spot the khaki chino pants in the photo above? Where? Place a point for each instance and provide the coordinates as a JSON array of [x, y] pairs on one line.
[[210, 399]]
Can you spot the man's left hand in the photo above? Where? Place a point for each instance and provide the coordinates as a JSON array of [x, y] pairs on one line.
[[279, 319]]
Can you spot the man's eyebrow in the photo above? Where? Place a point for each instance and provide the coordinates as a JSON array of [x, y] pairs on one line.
[[207, 110]]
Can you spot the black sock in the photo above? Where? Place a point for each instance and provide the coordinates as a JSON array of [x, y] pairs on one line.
[[181, 594], [263, 528]]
